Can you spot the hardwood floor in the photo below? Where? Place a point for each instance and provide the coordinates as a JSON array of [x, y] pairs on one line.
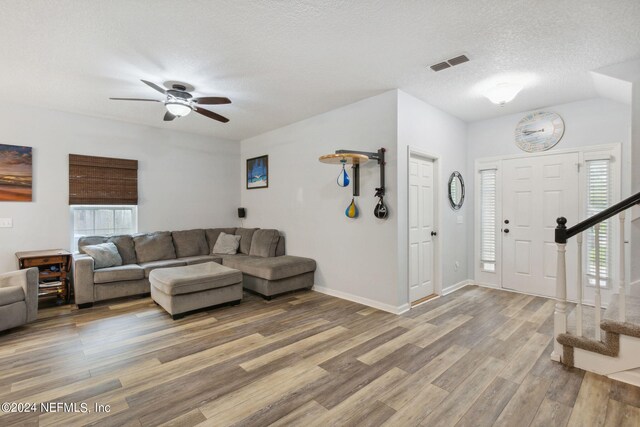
[[477, 357]]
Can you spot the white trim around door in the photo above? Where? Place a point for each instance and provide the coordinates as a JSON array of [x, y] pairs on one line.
[[436, 243], [584, 154]]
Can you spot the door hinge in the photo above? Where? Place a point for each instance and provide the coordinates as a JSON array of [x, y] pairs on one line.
[[578, 165]]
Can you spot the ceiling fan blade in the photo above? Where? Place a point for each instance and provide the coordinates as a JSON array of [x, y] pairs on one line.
[[168, 117], [211, 114], [134, 99], [211, 100], [154, 86]]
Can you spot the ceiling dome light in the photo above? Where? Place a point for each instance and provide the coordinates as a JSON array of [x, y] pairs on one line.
[[502, 93], [177, 108]]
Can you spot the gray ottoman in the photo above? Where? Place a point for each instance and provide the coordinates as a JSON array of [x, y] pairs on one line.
[[181, 290]]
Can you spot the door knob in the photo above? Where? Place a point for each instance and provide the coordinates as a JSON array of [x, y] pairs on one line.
[[506, 230], [433, 233], [506, 221]]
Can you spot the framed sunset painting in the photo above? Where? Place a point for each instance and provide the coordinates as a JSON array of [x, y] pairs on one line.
[[15, 173], [258, 172]]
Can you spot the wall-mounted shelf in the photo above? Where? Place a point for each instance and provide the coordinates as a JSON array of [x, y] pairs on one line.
[[356, 158]]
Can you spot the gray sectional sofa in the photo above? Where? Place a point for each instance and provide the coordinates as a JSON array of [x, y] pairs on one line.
[[261, 258]]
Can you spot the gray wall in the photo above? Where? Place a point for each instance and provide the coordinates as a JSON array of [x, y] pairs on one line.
[[185, 180], [591, 122]]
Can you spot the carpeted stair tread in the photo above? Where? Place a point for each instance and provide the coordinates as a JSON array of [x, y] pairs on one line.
[[609, 346], [611, 327], [631, 325], [588, 322]]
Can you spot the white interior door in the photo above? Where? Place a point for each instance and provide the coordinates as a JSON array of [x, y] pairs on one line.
[[421, 225], [536, 191]]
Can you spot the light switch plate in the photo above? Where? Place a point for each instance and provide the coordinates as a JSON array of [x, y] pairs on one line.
[[460, 219], [6, 222]]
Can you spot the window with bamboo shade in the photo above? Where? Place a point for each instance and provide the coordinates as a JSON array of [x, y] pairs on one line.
[[102, 181]]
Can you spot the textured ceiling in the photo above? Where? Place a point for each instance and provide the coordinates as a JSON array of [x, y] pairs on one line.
[[283, 61]]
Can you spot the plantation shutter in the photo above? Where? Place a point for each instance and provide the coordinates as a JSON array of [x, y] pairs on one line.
[[598, 199], [488, 219], [102, 181]]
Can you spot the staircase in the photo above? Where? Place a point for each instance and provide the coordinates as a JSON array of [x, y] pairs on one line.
[[604, 341]]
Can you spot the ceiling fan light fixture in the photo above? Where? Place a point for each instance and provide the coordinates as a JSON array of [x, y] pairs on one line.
[[178, 109], [502, 93]]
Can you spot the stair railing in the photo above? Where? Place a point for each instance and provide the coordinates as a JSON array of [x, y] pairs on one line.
[[562, 235]]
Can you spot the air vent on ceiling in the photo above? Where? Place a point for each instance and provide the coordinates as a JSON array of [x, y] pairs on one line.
[[441, 66], [450, 63]]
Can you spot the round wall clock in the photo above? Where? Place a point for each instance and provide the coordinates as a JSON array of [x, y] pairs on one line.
[[539, 131]]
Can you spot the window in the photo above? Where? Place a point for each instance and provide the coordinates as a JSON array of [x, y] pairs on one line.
[[93, 220], [103, 196], [102, 181], [488, 220], [598, 199]]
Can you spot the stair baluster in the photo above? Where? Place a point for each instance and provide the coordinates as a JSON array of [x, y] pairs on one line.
[[560, 313], [598, 298], [579, 287], [622, 290], [564, 344]]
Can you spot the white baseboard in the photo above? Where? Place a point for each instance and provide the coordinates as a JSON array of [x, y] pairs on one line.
[[485, 285], [361, 300], [455, 287], [604, 304], [630, 377], [634, 289]]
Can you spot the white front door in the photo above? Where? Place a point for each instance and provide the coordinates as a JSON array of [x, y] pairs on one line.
[[421, 225], [536, 191]]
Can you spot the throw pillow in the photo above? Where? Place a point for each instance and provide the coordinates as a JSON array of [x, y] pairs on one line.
[[226, 244], [104, 255]]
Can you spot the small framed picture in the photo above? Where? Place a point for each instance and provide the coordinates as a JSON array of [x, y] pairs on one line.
[[258, 172]]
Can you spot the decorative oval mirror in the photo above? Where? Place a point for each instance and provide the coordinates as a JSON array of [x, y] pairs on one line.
[[456, 190]]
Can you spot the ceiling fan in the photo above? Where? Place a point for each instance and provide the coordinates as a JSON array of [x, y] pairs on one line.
[[179, 102]]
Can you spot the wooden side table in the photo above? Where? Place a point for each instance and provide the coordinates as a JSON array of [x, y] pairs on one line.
[[54, 266]]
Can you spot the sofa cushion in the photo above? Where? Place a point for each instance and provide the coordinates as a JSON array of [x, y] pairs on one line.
[[280, 250], [118, 274], [190, 243], [199, 259], [152, 265], [224, 257], [104, 255], [11, 294], [246, 234], [226, 244], [264, 243], [125, 247], [274, 268], [194, 278], [124, 243], [213, 233], [154, 247]]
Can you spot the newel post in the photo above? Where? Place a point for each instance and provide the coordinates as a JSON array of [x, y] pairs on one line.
[[560, 314], [622, 291]]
